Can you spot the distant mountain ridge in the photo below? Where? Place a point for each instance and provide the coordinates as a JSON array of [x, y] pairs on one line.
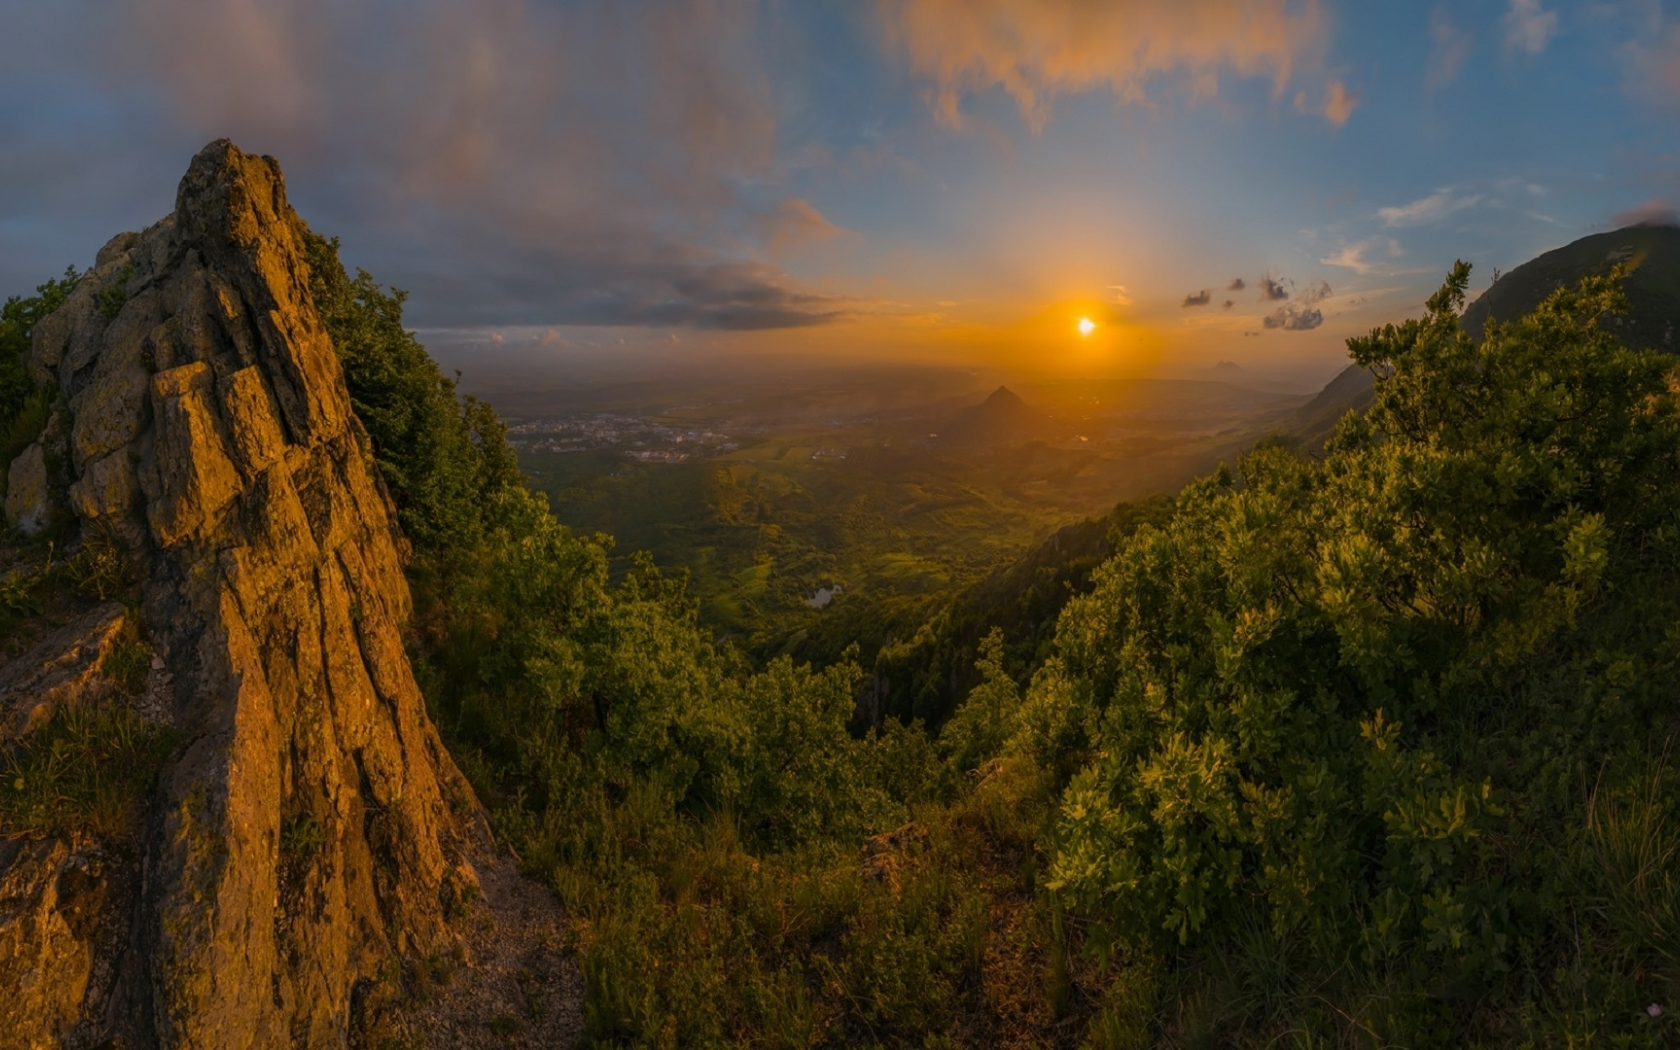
[[1653, 284], [1652, 253]]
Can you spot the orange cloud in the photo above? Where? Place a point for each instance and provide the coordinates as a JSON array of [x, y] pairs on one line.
[[1338, 103], [1038, 49], [796, 223], [1654, 69]]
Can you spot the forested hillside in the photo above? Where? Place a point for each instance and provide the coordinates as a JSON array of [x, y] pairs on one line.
[[1360, 750]]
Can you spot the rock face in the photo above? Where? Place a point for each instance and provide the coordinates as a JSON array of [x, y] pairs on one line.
[[310, 831], [26, 491], [57, 940], [59, 670]]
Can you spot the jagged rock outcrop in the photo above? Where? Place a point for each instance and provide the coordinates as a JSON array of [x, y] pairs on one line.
[[60, 669], [310, 830], [56, 939]]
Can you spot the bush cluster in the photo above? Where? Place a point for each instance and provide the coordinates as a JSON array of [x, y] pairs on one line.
[[1349, 718]]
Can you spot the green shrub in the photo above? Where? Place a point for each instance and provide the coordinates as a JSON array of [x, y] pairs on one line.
[[100, 569], [1305, 765], [302, 836], [445, 459], [129, 663], [1354, 701], [22, 595]]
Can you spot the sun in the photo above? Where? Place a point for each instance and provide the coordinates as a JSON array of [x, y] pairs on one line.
[[1087, 326]]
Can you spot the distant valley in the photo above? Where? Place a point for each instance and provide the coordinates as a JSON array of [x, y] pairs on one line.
[[898, 485]]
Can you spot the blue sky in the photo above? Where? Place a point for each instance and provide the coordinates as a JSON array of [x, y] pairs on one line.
[[948, 179]]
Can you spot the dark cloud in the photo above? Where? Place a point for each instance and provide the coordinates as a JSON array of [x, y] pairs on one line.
[[1294, 318], [1303, 314], [1651, 213], [511, 163], [1272, 291], [1237, 284], [542, 284], [1201, 298]]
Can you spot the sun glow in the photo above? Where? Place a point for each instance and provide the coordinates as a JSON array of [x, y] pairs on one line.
[[1087, 326]]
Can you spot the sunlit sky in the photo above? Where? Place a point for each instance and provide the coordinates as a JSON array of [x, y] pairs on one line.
[[958, 180]]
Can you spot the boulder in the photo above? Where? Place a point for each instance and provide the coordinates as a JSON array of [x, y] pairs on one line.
[[28, 498]]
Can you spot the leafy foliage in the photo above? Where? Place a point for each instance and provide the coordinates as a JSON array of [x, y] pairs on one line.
[[1309, 756], [1358, 699], [700, 819], [444, 458]]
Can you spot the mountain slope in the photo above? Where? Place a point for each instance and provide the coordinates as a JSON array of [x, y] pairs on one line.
[[1652, 254], [1002, 419], [929, 674]]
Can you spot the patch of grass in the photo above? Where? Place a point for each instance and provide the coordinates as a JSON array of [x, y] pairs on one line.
[[129, 663], [1633, 849], [461, 898], [22, 595], [87, 769], [100, 569], [435, 971], [691, 935], [18, 596]]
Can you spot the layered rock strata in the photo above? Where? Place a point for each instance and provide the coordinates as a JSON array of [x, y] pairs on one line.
[[310, 831]]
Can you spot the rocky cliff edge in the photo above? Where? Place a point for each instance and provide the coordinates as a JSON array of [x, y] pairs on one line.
[[309, 833]]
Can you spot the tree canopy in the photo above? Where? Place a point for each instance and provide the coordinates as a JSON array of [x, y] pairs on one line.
[[1370, 702], [1363, 750]]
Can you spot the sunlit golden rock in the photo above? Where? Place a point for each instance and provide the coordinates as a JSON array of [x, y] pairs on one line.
[[213, 439]]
